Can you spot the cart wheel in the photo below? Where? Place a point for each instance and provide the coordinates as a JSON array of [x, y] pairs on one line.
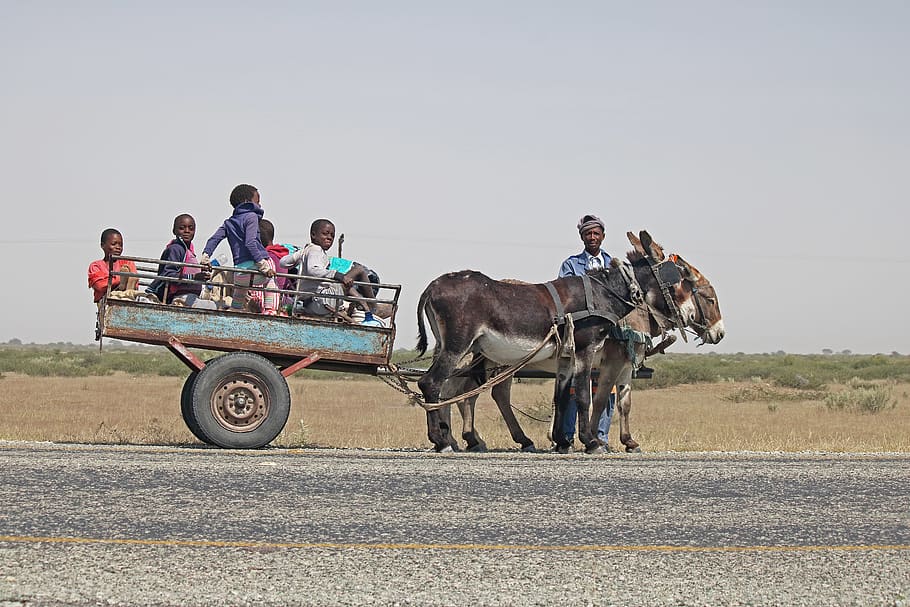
[[240, 401], [186, 408]]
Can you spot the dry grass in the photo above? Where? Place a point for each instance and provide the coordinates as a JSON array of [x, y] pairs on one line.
[[365, 413]]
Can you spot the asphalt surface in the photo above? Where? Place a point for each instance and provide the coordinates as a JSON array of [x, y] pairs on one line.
[[90, 525]]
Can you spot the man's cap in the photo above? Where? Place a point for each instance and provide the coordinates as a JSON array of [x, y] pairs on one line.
[[590, 221]]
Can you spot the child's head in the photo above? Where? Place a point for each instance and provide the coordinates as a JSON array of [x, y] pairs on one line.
[[244, 193], [185, 227], [322, 232], [111, 242], [266, 232]]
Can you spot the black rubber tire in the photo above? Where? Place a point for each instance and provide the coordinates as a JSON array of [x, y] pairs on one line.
[[240, 401], [186, 408]]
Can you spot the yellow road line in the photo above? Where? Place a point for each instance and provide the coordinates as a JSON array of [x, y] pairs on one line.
[[451, 547]]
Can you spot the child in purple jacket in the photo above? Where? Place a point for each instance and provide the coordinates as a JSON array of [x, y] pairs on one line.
[[242, 232]]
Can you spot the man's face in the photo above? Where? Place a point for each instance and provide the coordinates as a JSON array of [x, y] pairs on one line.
[[592, 237]]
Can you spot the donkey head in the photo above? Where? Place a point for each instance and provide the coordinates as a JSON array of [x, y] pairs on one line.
[[693, 295]]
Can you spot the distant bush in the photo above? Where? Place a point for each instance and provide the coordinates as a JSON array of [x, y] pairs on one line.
[[81, 361], [861, 396], [765, 393], [808, 371], [803, 372]]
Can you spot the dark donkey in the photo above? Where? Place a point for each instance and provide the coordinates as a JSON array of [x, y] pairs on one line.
[[692, 304], [504, 322]]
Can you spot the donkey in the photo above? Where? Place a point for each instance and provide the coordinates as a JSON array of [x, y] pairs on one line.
[[695, 305], [505, 322]]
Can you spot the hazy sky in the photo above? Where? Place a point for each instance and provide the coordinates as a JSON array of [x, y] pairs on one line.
[[766, 142]]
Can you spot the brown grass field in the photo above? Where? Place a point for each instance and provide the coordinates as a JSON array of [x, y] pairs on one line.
[[365, 413]]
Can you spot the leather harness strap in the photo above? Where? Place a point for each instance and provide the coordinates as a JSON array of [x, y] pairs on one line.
[[589, 310], [560, 317]]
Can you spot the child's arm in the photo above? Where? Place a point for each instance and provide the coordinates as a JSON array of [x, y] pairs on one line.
[[251, 238], [132, 282], [97, 278], [212, 244], [316, 263], [173, 252], [291, 259]]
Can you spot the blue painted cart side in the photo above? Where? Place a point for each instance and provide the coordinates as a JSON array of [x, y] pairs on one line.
[[271, 336]]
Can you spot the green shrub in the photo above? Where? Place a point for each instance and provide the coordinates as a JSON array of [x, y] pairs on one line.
[[806, 372], [764, 393], [864, 397], [789, 379]]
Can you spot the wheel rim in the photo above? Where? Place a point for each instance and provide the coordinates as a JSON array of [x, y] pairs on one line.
[[240, 402]]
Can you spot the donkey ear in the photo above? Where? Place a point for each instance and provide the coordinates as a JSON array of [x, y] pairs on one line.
[[654, 250], [636, 243]]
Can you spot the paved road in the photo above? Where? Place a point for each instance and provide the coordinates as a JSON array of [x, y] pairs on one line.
[[87, 525]]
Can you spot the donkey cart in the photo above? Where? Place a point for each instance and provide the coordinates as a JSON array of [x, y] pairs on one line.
[[240, 399]]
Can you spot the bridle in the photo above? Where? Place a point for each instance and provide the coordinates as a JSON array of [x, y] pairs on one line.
[[669, 273]]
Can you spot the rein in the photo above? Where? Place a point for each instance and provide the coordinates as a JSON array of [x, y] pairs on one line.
[[498, 379]]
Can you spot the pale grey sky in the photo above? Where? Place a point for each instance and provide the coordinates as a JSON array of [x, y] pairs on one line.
[[766, 142]]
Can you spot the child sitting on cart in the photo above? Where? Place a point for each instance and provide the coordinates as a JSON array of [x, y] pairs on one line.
[[180, 249], [317, 263], [99, 270]]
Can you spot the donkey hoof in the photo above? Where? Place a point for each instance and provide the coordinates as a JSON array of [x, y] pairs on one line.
[[446, 449], [562, 449], [596, 450], [529, 448], [480, 447], [635, 449]]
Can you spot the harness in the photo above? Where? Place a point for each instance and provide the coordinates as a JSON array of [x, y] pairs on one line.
[[667, 273], [562, 318], [617, 330]]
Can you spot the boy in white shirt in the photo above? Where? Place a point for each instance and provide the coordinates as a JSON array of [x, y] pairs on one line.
[[317, 263]]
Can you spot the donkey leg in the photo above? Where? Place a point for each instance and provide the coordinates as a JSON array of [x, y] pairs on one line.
[[583, 399], [624, 405], [459, 385], [612, 360], [502, 394], [439, 430], [561, 396], [439, 422], [468, 431]]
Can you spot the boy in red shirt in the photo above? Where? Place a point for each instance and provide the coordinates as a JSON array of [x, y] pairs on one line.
[[99, 270]]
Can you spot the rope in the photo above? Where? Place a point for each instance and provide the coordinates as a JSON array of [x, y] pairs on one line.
[[529, 416], [417, 398]]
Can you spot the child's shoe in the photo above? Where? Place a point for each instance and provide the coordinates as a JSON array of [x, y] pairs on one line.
[[370, 321]]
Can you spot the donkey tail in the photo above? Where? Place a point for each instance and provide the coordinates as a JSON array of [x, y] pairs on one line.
[[421, 330]]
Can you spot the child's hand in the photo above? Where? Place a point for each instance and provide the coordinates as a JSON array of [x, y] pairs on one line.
[[202, 275], [265, 267]]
